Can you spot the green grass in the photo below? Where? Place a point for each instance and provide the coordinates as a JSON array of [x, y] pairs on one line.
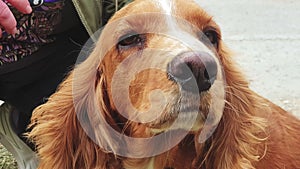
[[7, 161]]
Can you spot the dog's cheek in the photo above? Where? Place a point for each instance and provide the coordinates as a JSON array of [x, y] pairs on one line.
[[145, 83], [205, 103]]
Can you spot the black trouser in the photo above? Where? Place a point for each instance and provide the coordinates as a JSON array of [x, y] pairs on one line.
[[30, 81]]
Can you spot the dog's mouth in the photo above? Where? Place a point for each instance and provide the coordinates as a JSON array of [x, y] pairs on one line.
[[187, 115], [191, 122]]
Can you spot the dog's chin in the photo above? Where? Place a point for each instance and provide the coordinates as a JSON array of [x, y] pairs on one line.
[[191, 121], [184, 113]]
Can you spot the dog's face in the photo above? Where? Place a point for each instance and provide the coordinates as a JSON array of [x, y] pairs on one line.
[[161, 66]]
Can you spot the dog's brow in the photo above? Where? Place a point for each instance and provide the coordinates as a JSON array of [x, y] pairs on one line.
[[166, 6]]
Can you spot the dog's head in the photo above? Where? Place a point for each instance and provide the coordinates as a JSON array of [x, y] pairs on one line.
[[161, 65], [156, 70]]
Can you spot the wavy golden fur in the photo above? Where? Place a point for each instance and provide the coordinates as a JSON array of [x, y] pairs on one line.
[[252, 132]]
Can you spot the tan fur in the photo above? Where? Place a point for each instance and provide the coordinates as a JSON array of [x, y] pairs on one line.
[[253, 132]]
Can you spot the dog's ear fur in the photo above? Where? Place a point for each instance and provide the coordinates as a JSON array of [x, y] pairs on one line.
[[61, 141], [238, 141]]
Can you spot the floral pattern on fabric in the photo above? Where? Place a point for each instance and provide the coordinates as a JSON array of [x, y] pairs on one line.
[[34, 29]]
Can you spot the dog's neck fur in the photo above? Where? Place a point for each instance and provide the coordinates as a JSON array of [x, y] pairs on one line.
[[216, 153], [184, 150], [196, 155]]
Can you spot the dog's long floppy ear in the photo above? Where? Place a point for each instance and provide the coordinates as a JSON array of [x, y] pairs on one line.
[[238, 141], [60, 125]]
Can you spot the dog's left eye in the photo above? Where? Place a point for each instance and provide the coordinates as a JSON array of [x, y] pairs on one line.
[[130, 40], [212, 37]]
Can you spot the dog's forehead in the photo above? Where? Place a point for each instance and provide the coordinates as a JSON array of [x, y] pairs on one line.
[[179, 19], [166, 6], [185, 9]]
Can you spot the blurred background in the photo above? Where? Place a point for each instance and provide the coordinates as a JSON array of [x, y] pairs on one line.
[[265, 36]]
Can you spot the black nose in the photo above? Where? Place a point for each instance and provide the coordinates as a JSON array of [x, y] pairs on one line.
[[192, 70]]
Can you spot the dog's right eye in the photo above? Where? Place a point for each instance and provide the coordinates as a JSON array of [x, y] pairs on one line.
[[130, 40]]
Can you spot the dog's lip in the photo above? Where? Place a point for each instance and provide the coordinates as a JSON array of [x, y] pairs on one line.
[[172, 117], [157, 129], [189, 109], [167, 124]]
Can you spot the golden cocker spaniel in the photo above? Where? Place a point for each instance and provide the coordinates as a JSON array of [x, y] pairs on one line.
[[160, 90]]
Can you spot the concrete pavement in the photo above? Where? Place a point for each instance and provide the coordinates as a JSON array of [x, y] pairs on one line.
[[265, 35]]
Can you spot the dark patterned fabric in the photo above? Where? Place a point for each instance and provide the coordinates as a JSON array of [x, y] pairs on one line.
[[34, 29]]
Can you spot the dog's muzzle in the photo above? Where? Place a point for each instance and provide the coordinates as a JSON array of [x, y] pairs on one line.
[[193, 67]]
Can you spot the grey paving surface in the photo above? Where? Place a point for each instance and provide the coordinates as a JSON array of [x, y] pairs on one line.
[[265, 35]]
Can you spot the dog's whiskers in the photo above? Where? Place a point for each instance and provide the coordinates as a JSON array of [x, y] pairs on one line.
[[125, 127]]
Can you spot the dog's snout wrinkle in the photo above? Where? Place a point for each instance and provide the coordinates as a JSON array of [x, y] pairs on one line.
[[194, 71]]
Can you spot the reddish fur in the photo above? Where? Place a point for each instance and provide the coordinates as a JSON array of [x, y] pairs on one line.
[[253, 132]]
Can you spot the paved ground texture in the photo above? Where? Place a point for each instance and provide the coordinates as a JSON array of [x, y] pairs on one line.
[[265, 35]]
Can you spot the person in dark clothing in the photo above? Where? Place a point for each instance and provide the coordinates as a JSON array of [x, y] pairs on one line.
[[39, 45]]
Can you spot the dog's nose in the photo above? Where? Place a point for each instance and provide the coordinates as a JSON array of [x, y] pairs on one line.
[[193, 68]]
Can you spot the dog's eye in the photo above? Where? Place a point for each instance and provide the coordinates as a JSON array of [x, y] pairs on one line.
[[212, 37], [130, 40]]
